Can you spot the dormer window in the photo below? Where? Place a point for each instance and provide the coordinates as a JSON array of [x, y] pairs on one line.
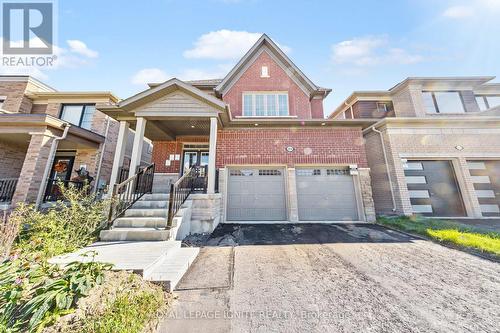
[[263, 104], [264, 71]]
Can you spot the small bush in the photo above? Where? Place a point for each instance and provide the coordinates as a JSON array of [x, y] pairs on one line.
[[65, 227], [33, 294]]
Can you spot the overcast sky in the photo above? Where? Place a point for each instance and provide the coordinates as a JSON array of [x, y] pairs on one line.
[[343, 45]]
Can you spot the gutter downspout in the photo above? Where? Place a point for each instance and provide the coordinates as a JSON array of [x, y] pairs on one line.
[[103, 148], [386, 166], [52, 152]]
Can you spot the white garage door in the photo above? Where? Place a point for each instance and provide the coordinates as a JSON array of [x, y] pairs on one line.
[[326, 194], [256, 194]]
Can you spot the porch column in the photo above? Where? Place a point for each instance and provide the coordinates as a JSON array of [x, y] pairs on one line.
[[211, 155], [121, 145], [35, 162], [135, 160]]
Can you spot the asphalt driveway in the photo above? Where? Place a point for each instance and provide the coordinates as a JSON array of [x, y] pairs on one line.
[[333, 278]]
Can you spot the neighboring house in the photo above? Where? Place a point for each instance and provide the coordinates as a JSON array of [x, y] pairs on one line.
[[32, 158], [262, 134], [436, 149]]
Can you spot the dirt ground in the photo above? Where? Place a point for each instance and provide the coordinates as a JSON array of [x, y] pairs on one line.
[[333, 278]]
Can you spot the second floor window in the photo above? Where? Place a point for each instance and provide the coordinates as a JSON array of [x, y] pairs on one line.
[[443, 102], [265, 104], [78, 114], [487, 101]]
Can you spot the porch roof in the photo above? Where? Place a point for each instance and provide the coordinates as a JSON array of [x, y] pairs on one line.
[[172, 108], [17, 128]]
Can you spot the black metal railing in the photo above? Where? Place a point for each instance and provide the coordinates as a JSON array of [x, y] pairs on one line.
[[54, 191], [7, 189], [126, 193], [201, 180], [122, 175], [179, 192]]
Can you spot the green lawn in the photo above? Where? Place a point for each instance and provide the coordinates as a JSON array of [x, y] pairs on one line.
[[447, 231]]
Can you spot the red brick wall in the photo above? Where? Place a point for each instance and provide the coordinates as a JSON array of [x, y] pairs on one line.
[[312, 146], [299, 104], [163, 149]]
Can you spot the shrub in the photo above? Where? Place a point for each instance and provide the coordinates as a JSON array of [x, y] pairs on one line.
[[8, 233], [33, 294], [65, 227]]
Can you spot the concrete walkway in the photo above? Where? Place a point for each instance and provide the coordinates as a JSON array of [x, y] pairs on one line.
[[134, 256], [164, 262], [333, 278]]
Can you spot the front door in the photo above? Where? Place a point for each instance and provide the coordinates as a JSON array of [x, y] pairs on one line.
[[194, 158], [61, 171]]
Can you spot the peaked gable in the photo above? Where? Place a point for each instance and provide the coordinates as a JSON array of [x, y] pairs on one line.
[[266, 44]]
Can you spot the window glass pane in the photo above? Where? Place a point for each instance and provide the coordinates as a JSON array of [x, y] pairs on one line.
[[428, 102], [481, 103], [271, 105], [87, 116], [259, 105], [247, 105], [283, 105], [1, 103], [449, 102], [493, 101], [72, 114]]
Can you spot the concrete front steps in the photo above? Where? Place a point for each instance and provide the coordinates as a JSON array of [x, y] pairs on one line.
[[146, 220], [171, 267], [164, 262]]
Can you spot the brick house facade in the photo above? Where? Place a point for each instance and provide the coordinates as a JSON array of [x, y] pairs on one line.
[[262, 132]]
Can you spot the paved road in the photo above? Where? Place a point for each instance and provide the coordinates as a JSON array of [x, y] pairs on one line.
[[333, 278]]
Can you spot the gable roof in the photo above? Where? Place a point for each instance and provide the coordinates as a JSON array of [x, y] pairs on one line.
[[266, 43], [156, 92]]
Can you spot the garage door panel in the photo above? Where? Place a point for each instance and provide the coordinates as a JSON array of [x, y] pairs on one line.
[[325, 194], [433, 188], [486, 178], [256, 194]]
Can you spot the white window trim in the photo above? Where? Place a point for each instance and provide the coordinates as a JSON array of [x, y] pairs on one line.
[[254, 115]]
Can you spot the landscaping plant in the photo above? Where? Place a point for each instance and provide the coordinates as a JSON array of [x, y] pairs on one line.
[[33, 292]]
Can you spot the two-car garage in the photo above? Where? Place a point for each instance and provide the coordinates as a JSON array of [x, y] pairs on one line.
[[260, 194]]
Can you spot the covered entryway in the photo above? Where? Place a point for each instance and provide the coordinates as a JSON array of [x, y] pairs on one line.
[[256, 194], [486, 178], [433, 188], [326, 194]]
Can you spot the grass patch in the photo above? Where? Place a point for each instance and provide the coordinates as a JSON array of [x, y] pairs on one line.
[[454, 233]]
